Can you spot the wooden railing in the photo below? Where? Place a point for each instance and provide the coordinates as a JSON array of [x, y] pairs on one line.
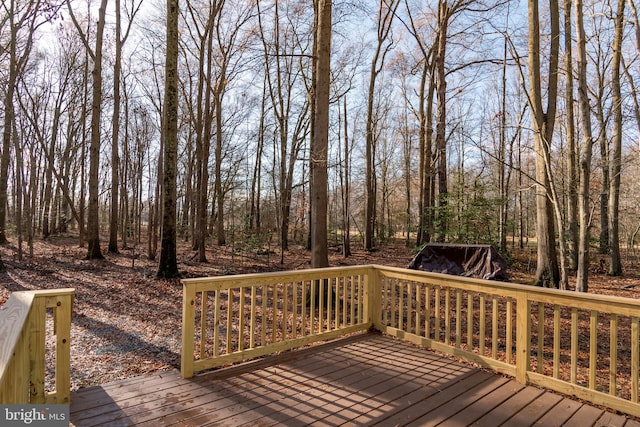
[[235, 318], [23, 341], [582, 345]]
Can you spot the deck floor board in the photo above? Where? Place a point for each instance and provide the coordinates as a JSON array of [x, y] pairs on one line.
[[361, 380]]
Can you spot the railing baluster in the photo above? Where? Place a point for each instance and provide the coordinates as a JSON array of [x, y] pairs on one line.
[[216, 323], [264, 290], [418, 309], [469, 321], [392, 296], [321, 306], [540, 360], [303, 308], [400, 305], [345, 283], [337, 305], [635, 358], [458, 318], [556, 341], [447, 316], [274, 313], [294, 311], [252, 328], [437, 314], [203, 323], [409, 305], [361, 301], [241, 310], [613, 354], [427, 311], [483, 322], [494, 328], [230, 299], [285, 310], [312, 314], [574, 344], [354, 287], [593, 348], [509, 332]]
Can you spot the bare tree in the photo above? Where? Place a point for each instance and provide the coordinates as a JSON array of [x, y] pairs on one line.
[[572, 149], [543, 120], [120, 40], [93, 223], [615, 266], [168, 264], [320, 142], [23, 19], [384, 43], [585, 156]]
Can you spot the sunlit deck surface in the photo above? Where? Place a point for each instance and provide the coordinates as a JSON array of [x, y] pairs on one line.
[[363, 380]]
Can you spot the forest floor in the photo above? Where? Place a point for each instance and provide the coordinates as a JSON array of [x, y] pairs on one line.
[[126, 322]]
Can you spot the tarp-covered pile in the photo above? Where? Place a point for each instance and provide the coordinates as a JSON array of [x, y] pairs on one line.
[[481, 261]]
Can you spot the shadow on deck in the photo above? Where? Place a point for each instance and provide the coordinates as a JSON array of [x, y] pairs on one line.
[[367, 379]]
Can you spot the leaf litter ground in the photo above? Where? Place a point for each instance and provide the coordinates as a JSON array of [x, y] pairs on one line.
[[127, 323]]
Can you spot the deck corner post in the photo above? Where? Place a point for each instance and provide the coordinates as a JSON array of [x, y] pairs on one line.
[[523, 322], [63, 312], [188, 319], [373, 300]]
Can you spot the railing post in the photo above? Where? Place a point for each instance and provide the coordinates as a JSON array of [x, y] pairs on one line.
[[373, 298], [523, 322], [188, 319], [62, 323], [37, 349]]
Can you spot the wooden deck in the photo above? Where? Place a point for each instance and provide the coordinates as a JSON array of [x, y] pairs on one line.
[[363, 380]]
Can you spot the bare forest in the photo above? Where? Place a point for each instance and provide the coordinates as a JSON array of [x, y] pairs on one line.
[[254, 127]]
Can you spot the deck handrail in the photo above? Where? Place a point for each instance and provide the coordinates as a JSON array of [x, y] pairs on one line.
[[579, 344], [23, 333], [296, 308], [585, 345]]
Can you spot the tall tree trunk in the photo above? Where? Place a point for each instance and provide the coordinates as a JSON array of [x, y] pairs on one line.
[[218, 190], [502, 166], [93, 224], [115, 138], [585, 157], [441, 122], [547, 272], [48, 185], [386, 13], [168, 264], [320, 142], [346, 184], [17, 61], [615, 266], [254, 216], [572, 149]]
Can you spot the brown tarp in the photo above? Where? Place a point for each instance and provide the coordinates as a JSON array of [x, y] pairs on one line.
[[481, 261]]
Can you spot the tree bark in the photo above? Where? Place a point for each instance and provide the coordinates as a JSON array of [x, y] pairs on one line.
[[386, 13], [320, 142], [615, 266], [585, 157], [572, 149], [547, 272], [93, 223], [115, 131], [168, 264]]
